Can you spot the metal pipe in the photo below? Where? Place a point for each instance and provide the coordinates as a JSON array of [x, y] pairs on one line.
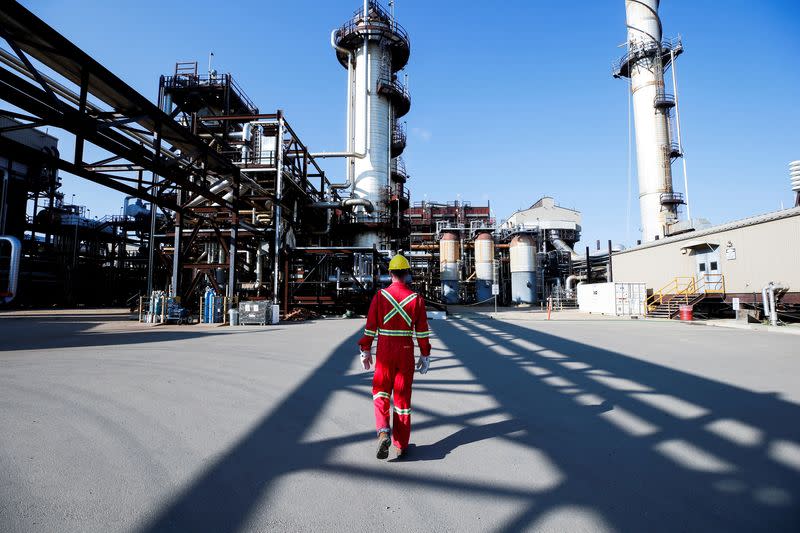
[[347, 203], [350, 152], [560, 245], [13, 267], [678, 131], [569, 281], [4, 205], [773, 312], [765, 300], [277, 207], [335, 248], [221, 185]]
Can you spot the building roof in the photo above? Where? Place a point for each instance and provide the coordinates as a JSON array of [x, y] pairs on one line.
[[545, 202], [736, 224]]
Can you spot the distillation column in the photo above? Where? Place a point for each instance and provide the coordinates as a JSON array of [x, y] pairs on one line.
[[644, 64], [380, 48]]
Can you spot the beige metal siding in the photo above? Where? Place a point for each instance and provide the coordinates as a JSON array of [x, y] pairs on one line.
[[765, 252]]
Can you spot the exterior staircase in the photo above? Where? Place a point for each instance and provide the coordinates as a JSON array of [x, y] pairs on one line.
[[666, 302]]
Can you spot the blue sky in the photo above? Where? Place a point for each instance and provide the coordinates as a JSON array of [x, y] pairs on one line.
[[510, 100]]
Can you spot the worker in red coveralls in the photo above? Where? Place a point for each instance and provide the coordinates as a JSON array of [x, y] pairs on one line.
[[396, 316]]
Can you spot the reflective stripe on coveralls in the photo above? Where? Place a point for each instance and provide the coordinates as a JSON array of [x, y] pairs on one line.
[[398, 307]]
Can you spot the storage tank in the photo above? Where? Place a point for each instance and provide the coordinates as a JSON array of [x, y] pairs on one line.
[[449, 255], [484, 266], [523, 269]]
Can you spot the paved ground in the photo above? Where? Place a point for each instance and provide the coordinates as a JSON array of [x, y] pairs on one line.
[[546, 426]]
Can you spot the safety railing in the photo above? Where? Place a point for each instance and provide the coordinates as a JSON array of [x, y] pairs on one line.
[[683, 289], [679, 287], [184, 81], [377, 15], [399, 169], [664, 100], [399, 134], [397, 193], [642, 49], [671, 198], [711, 284]]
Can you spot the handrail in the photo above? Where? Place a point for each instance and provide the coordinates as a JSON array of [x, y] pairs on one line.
[[684, 288], [678, 286], [712, 284], [399, 133], [638, 50], [376, 20]]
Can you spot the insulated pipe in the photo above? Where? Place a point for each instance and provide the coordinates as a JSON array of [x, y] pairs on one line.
[[349, 202], [570, 280], [561, 246], [350, 153], [219, 186], [13, 267], [773, 312], [276, 267], [765, 300]]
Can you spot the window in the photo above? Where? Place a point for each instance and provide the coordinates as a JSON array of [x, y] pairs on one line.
[[702, 267], [713, 265]]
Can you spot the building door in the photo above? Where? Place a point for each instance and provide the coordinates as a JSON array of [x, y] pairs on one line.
[[709, 275]]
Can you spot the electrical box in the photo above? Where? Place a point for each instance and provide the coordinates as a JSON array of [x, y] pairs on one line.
[[615, 298], [255, 313]]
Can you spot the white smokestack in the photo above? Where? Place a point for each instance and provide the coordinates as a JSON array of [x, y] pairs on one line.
[[644, 64]]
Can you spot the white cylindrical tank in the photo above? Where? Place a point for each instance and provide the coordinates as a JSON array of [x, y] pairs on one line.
[[484, 266], [372, 119], [522, 250], [449, 255], [653, 143]]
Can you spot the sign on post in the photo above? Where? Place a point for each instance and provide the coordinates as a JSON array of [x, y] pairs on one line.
[[495, 289]]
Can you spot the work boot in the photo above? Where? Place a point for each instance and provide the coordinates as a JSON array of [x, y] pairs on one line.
[[383, 445]]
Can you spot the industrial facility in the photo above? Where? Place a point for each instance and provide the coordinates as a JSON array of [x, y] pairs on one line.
[[227, 208], [752, 263], [220, 284]]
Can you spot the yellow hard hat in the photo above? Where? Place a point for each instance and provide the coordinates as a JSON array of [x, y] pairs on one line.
[[399, 262]]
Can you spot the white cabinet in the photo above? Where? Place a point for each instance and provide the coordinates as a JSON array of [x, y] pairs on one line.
[[616, 298]]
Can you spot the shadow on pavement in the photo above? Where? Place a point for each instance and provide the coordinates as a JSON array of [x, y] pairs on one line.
[[88, 330], [645, 447]]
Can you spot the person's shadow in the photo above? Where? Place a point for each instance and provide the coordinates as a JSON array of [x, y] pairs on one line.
[[439, 450]]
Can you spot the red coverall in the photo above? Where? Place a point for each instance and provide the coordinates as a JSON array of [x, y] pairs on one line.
[[396, 315]]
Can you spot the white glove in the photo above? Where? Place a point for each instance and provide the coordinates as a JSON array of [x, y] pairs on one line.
[[423, 363], [366, 359]]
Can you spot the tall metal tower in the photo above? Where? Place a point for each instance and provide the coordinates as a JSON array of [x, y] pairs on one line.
[[645, 62], [374, 48]]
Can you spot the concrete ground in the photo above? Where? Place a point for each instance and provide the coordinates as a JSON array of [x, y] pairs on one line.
[[605, 425]]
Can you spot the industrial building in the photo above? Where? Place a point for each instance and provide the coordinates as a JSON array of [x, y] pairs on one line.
[[717, 269], [709, 269], [222, 198], [226, 206]]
